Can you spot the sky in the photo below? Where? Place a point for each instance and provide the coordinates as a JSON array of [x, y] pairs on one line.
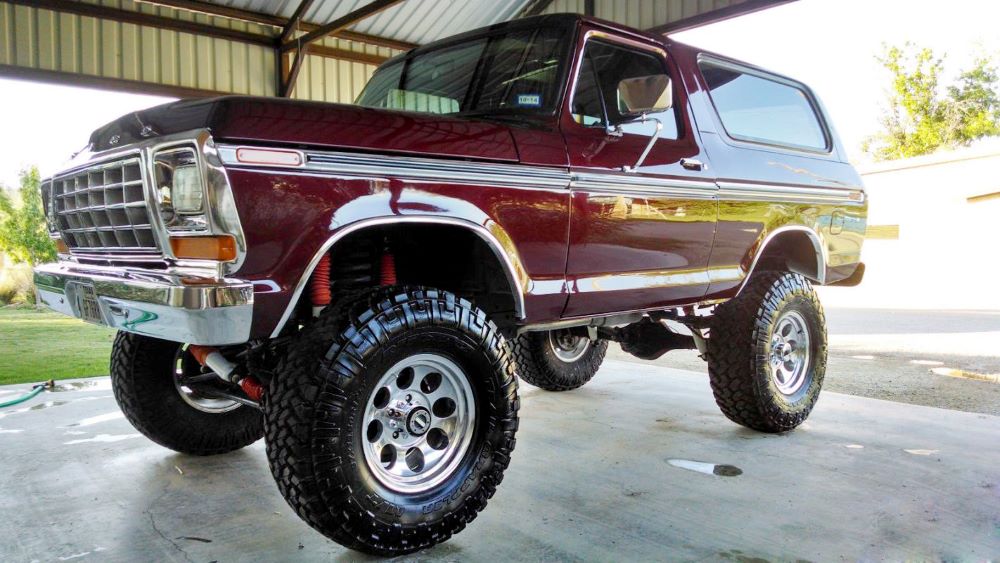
[[828, 44]]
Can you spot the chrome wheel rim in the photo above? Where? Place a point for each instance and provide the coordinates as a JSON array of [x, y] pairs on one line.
[[789, 353], [568, 347], [193, 398], [418, 423]]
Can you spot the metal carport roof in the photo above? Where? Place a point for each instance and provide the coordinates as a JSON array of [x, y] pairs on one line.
[[310, 49]]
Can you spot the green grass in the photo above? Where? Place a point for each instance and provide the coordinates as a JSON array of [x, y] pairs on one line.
[[37, 345]]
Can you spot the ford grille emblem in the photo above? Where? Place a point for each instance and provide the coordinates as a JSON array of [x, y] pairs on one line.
[[114, 139]]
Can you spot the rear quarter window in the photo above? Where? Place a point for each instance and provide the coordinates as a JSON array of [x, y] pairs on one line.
[[765, 110]]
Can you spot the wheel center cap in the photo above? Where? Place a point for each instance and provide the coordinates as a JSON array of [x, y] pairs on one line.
[[419, 421], [786, 351]]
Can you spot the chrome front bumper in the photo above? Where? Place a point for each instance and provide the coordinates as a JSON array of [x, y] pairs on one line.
[[181, 308]]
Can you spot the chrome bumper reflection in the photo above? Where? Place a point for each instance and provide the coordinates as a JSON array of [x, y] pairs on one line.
[[173, 307]]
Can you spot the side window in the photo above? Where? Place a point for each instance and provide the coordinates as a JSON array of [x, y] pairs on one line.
[[754, 108], [588, 106], [596, 101]]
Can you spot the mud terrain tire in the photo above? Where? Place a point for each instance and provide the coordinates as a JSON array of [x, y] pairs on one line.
[[142, 372], [317, 419], [752, 334], [539, 364]]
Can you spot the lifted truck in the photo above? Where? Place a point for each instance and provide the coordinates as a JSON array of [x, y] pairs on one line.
[[361, 284]]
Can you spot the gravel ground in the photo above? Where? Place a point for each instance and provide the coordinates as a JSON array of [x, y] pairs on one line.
[[890, 355]]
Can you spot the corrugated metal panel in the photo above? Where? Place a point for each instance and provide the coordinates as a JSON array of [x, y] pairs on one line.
[[423, 21], [47, 40], [641, 14], [332, 80], [415, 21]]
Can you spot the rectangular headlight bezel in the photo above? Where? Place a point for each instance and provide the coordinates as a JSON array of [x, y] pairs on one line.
[[180, 212]]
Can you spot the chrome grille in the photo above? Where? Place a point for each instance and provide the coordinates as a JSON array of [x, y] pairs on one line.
[[102, 209]]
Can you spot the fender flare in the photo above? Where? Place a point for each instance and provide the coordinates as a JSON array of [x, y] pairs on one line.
[[514, 270], [814, 238]]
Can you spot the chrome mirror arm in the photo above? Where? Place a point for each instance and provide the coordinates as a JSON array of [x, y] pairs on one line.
[[649, 147]]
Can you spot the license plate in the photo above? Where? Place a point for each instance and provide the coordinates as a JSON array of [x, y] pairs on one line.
[[85, 299]]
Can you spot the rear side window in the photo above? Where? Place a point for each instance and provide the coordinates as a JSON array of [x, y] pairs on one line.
[[763, 110]]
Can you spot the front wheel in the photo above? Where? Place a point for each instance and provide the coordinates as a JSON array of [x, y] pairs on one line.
[[145, 377], [767, 353], [390, 424], [558, 360]]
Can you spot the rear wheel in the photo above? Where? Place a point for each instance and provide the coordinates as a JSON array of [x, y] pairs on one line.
[[767, 353], [558, 360], [390, 424], [145, 376]]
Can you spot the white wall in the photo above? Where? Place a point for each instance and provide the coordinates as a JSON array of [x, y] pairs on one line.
[[948, 252]]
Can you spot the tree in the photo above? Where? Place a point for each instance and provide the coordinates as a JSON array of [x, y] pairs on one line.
[[23, 234], [919, 119]]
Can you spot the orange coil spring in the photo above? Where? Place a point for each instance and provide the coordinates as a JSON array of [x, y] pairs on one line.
[[388, 269], [252, 388], [319, 284]]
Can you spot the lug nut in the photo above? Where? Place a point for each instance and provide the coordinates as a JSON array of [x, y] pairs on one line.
[[395, 434], [409, 398]]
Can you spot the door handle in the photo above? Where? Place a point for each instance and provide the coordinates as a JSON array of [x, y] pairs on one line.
[[692, 164]]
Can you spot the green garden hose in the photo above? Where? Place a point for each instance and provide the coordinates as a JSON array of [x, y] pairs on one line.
[[35, 390]]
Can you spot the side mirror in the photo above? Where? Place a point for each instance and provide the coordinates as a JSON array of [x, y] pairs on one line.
[[645, 94]]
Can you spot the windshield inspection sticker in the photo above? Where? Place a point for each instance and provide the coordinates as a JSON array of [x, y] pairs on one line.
[[529, 100]]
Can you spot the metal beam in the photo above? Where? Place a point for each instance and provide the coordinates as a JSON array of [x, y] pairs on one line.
[[288, 73], [219, 10], [344, 54], [370, 39], [340, 23], [275, 21], [716, 15], [293, 24], [139, 18], [288, 82]]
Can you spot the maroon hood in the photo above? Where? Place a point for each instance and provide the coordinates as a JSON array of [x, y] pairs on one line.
[[277, 121]]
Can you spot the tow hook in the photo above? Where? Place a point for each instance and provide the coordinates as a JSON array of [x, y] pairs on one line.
[[212, 359]]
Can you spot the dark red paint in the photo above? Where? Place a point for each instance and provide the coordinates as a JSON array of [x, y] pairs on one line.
[[585, 252]]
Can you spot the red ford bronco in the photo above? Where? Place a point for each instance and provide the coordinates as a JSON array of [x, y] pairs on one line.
[[362, 284]]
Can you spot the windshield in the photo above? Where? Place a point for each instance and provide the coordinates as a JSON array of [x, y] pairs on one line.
[[517, 71]]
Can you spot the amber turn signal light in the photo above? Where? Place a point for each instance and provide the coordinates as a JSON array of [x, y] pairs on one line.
[[221, 248], [61, 247]]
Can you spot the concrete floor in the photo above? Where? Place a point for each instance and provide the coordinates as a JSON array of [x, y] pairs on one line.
[[598, 474], [897, 355]]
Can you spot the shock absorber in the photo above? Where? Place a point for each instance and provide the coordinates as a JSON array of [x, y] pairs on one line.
[[319, 285], [211, 358], [252, 388]]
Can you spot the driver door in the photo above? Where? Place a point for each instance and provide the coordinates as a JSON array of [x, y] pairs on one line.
[[642, 238]]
